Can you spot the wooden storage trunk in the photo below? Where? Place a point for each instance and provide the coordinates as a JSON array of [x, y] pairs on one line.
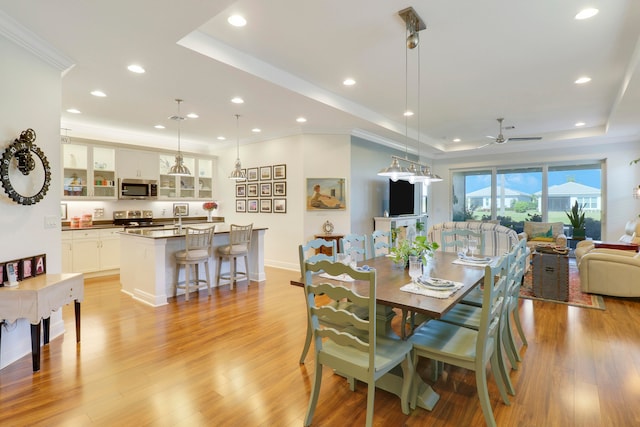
[[551, 276]]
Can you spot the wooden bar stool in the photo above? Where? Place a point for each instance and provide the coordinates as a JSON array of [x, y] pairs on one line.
[[198, 250], [239, 244]]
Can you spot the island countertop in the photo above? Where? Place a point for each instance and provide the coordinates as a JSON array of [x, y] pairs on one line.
[[168, 233]]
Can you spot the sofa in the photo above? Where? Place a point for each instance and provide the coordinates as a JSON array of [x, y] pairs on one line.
[[543, 233], [610, 272], [498, 239], [631, 235]]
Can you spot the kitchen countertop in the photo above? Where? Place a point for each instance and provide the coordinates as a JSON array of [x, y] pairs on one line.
[[102, 224], [174, 232]]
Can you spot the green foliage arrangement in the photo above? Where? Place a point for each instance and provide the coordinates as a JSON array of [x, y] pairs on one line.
[[576, 216], [419, 247]]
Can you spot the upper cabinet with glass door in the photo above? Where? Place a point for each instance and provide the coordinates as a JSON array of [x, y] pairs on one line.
[[88, 171], [205, 178], [197, 185]]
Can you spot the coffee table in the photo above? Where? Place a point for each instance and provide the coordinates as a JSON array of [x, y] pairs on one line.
[[550, 276]]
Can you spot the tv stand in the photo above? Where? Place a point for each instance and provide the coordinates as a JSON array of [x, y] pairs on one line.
[[399, 223]]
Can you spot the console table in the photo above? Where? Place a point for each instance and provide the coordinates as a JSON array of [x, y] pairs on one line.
[[34, 299]]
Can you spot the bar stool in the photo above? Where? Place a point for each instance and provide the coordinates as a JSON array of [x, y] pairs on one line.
[[239, 244], [197, 250]]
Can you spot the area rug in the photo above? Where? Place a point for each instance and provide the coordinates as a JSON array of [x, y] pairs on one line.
[[576, 297]]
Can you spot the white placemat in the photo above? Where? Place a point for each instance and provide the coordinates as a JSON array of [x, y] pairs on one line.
[[420, 289], [341, 277]]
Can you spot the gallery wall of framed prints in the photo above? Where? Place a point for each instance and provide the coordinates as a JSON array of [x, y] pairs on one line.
[[264, 191]]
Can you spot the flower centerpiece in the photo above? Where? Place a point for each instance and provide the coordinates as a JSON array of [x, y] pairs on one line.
[[209, 207], [419, 247]]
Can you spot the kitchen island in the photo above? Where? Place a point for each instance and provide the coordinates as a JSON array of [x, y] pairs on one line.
[[148, 270]]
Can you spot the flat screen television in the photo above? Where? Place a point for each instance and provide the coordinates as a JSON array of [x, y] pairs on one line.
[[401, 198]]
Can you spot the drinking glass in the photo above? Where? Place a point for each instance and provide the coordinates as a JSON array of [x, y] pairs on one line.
[[415, 270], [473, 245]]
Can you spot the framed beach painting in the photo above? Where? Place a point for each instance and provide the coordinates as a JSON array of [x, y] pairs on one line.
[[326, 194]]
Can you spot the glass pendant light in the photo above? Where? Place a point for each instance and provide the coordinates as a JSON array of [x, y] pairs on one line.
[[179, 169], [237, 174]]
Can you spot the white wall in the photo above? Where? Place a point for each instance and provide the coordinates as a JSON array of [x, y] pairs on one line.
[[620, 178], [30, 91]]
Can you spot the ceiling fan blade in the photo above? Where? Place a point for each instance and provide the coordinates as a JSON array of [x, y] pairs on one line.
[[484, 145], [525, 138]]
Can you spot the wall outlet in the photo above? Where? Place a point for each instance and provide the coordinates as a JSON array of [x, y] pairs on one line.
[[98, 213], [51, 221]]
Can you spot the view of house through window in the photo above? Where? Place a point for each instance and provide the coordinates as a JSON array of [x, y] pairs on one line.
[[516, 195]]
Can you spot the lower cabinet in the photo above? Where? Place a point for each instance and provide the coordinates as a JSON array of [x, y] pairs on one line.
[[91, 251]]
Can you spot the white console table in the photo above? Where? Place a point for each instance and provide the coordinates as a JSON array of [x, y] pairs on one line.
[[399, 223]]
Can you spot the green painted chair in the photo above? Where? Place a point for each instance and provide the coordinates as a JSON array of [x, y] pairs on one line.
[[356, 246], [380, 243], [454, 240], [468, 348], [357, 350]]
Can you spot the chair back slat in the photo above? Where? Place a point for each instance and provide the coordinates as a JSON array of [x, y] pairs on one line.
[[453, 240], [199, 238], [312, 252], [240, 235], [380, 243], [493, 303], [356, 246]]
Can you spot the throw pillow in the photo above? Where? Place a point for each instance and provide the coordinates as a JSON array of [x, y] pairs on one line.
[[545, 236]]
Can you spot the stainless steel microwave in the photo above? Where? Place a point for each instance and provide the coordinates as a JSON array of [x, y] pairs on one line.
[[138, 189]]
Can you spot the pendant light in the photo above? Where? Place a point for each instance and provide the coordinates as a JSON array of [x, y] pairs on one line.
[[179, 169], [237, 174]]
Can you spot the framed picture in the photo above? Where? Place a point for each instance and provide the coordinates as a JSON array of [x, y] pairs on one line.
[[252, 205], [265, 205], [326, 194], [241, 190], [181, 209], [11, 271], [63, 211], [265, 173], [280, 205], [3, 275], [39, 264], [279, 188], [25, 268], [241, 205], [252, 190], [279, 172], [265, 189], [252, 174]]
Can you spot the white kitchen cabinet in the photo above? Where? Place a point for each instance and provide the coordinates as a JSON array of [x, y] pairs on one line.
[[91, 250], [137, 164], [198, 185], [67, 261], [89, 172]]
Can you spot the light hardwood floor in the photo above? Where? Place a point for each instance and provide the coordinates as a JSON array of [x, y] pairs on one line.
[[232, 360]]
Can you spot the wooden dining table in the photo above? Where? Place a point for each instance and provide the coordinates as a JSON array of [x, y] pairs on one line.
[[390, 297]]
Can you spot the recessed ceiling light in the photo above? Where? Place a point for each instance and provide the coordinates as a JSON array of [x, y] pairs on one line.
[[73, 111], [256, 130], [456, 140], [98, 93], [583, 80], [587, 13], [134, 68], [408, 113], [237, 21], [159, 127], [301, 120], [221, 138], [237, 100], [193, 115], [580, 124], [349, 82]]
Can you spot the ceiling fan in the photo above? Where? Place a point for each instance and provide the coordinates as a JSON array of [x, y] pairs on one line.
[[500, 139]]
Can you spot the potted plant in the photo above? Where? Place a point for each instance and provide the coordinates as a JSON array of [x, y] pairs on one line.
[[577, 220], [420, 247]]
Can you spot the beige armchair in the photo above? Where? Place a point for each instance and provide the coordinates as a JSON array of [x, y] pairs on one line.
[[543, 233], [631, 235], [610, 272]]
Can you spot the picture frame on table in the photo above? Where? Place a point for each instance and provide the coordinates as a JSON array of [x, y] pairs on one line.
[[279, 205], [241, 190], [40, 264], [252, 205], [11, 272], [279, 172], [63, 211], [265, 189], [241, 205], [265, 205], [25, 268], [280, 188], [252, 190], [252, 174], [181, 209], [265, 173]]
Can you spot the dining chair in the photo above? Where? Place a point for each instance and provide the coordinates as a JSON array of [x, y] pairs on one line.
[[198, 250], [468, 348], [238, 247], [455, 240], [513, 303], [380, 243], [356, 246], [366, 358]]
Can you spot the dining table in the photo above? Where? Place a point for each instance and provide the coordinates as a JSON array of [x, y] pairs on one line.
[[389, 296]]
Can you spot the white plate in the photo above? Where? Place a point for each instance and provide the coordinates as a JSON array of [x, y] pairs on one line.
[[436, 283]]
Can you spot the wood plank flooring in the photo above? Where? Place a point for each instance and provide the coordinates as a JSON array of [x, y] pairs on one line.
[[232, 360]]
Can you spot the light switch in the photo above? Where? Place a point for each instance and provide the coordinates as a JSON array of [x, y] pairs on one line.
[[51, 221]]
